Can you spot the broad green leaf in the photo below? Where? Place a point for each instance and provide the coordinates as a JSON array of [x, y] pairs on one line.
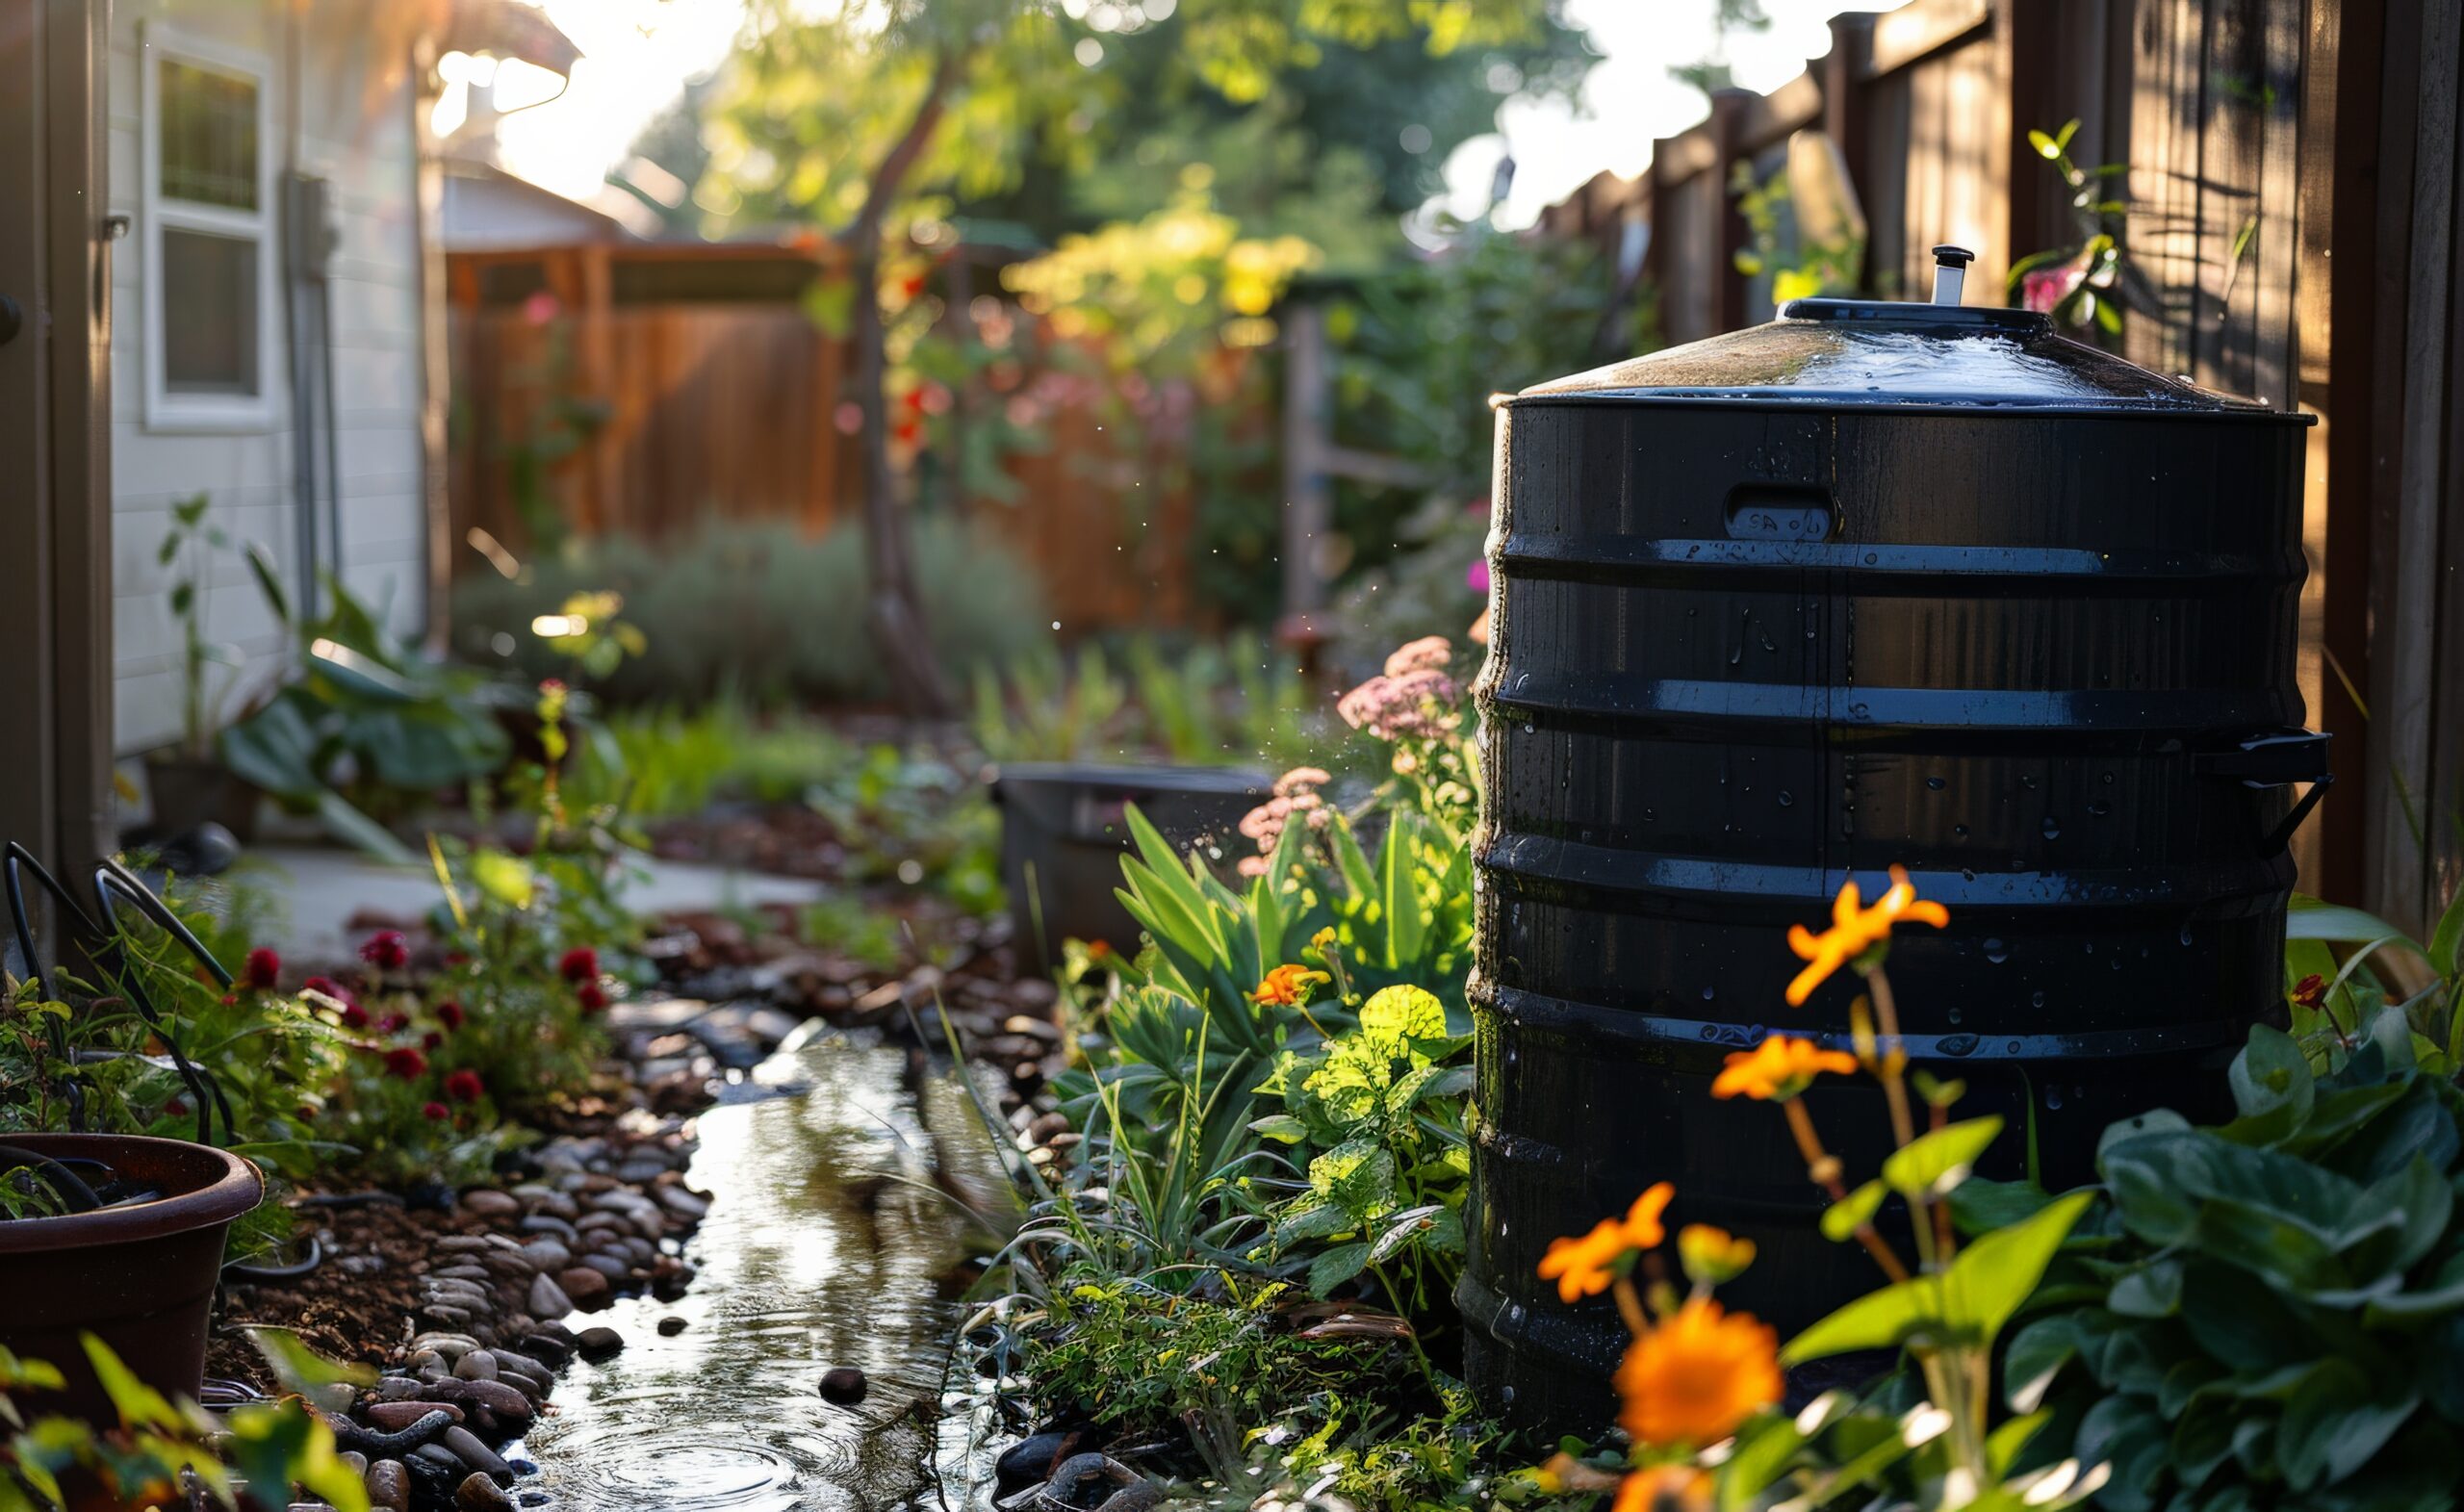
[[1842, 1219], [2153, 1289], [2334, 1422], [1969, 1302], [2037, 1355], [1934, 1162], [1334, 1266], [2272, 1086]]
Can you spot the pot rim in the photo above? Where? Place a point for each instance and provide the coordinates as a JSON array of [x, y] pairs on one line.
[[235, 1188]]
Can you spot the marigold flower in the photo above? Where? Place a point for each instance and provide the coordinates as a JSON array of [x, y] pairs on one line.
[[592, 997], [464, 1086], [262, 968], [406, 1062], [580, 965], [1664, 1488], [1696, 1375], [1856, 929], [449, 1013], [1585, 1267], [1287, 987], [1778, 1068], [385, 950]]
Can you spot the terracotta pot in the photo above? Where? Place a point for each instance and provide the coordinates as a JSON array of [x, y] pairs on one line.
[[141, 1278]]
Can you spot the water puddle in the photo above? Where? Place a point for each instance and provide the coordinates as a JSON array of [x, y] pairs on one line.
[[825, 1247]]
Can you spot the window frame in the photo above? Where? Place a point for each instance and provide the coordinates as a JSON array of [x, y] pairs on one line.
[[166, 409]]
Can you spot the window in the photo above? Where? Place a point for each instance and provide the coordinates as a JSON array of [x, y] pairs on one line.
[[209, 248]]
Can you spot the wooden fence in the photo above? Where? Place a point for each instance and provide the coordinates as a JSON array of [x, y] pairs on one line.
[[646, 389], [2293, 223]]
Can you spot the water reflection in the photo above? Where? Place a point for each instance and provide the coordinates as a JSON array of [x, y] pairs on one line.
[[824, 1247]]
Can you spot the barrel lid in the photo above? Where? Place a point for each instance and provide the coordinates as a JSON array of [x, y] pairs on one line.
[[1883, 353]]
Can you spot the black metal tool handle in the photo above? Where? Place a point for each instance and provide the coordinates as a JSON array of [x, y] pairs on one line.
[[2277, 759]]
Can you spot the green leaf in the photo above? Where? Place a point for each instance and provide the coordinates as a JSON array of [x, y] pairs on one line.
[[2272, 1086], [1280, 1126], [1934, 1162], [2153, 1289], [2037, 1355], [1337, 1265], [1842, 1219], [2333, 1424], [139, 1405], [1967, 1303], [504, 877]]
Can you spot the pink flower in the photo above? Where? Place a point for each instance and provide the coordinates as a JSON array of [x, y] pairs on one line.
[[1477, 578], [1415, 705], [393, 1024], [385, 950], [262, 968], [541, 308], [1428, 653]]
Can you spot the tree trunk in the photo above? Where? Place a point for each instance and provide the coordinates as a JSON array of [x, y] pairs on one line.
[[895, 609]]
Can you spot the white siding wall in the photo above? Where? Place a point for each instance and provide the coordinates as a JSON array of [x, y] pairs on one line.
[[354, 130]]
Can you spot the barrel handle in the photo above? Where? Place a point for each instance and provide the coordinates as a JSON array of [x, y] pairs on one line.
[[2278, 758]]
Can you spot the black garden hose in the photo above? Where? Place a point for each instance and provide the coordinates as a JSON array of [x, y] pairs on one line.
[[293, 1271], [71, 1188]]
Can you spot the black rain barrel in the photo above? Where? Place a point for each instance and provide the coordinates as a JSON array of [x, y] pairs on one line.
[[1871, 584]]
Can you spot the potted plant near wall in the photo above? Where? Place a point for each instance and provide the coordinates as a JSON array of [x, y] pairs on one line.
[[186, 783], [105, 1230]]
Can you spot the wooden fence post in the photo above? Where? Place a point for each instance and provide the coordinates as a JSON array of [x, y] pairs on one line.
[[1728, 107]]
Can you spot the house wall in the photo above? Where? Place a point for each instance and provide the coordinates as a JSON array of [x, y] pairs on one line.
[[341, 103]]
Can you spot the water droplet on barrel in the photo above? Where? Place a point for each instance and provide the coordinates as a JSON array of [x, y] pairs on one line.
[[1996, 952], [1934, 782], [1956, 1044], [2052, 828]]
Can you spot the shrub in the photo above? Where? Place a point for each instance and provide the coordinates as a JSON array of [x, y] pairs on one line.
[[759, 610]]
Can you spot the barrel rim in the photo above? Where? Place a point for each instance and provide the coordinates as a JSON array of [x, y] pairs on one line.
[[1834, 404]]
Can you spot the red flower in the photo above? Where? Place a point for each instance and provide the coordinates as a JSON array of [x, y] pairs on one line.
[[449, 1013], [2310, 991], [437, 1111], [385, 950], [262, 967], [591, 998], [407, 1063], [465, 1087], [393, 1024], [354, 1016], [430, 1041], [580, 965]]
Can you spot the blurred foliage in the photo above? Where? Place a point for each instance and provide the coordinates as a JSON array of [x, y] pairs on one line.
[[1208, 704], [758, 610]]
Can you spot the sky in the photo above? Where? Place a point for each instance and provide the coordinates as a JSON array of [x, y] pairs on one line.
[[637, 54]]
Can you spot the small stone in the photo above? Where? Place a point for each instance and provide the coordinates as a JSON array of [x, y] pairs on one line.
[[467, 1447], [670, 1327], [684, 1204], [507, 1403], [598, 1344], [476, 1366], [393, 1417], [617, 1269], [479, 1493], [549, 1349], [389, 1486], [491, 1204], [548, 1300], [583, 1285], [352, 1460], [845, 1384]]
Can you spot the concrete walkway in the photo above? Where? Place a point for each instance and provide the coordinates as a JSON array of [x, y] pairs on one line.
[[320, 888]]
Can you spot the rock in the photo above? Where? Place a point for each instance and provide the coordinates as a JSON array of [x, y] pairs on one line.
[[670, 1327], [598, 1344], [550, 1350], [509, 1362], [548, 1300], [507, 1403], [684, 1204], [353, 1461], [479, 1493], [491, 1204], [1029, 1462], [845, 1384], [389, 1486], [393, 1417], [476, 1366], [547, 1255], [583, 1285], [467, 1448]]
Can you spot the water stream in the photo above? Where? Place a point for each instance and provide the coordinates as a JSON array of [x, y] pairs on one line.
[[825, 1247]]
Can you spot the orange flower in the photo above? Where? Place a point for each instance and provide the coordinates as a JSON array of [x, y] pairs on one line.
[[1778, 1069], [1855, 930], [1287, 987], [1664, 1488], [1585, 1267], [1696, 1375]]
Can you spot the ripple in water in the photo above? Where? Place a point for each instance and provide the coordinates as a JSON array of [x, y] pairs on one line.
[[824, 1246]]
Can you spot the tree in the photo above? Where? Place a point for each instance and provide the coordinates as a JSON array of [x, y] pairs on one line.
[[844, 113]]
